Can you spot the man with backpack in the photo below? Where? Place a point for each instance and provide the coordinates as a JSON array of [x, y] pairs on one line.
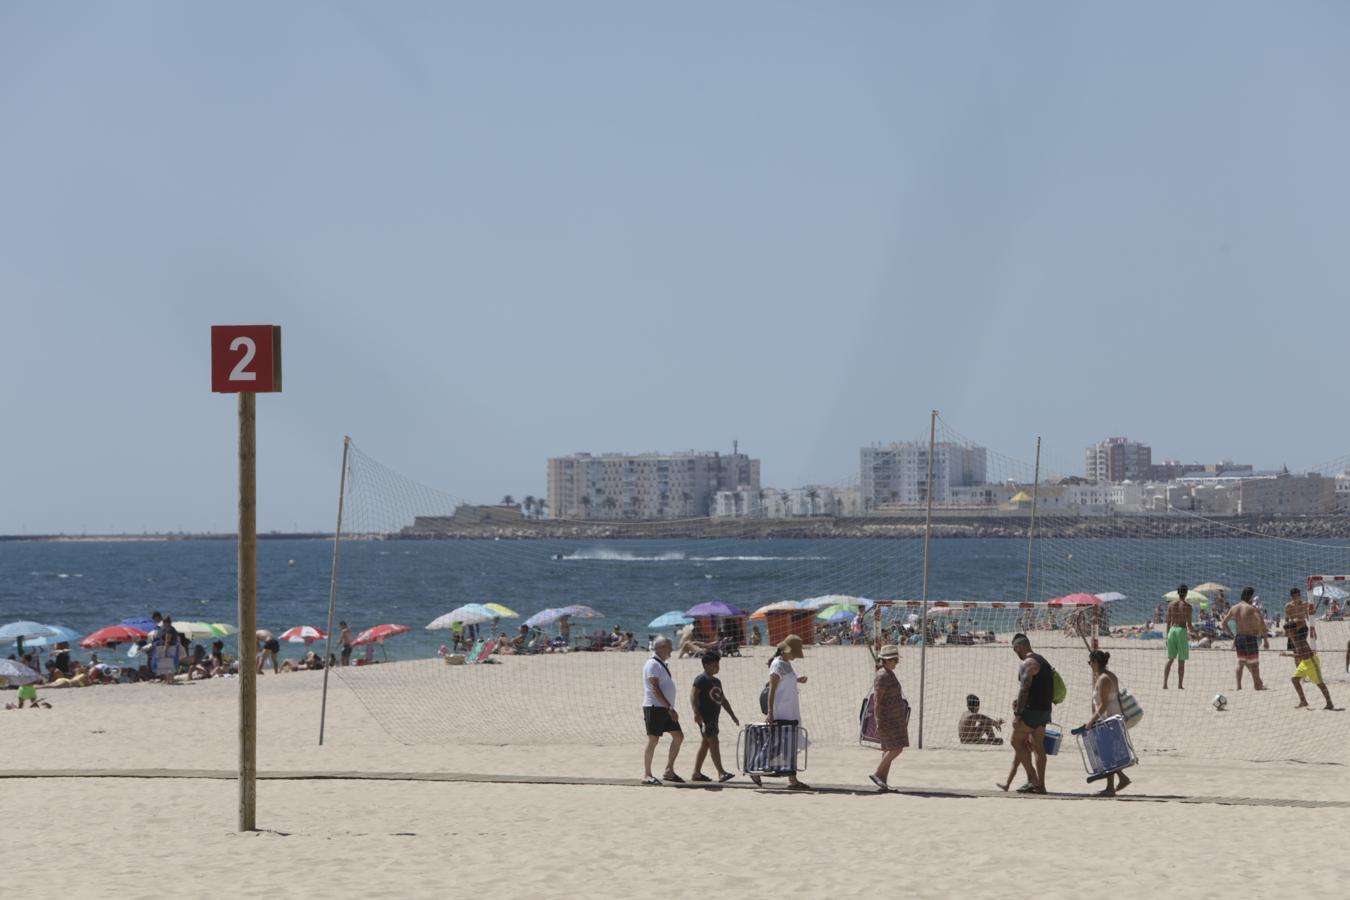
[[1031, 713]]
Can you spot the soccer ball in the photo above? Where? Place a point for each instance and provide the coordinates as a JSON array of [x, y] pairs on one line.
[[1220, 702]]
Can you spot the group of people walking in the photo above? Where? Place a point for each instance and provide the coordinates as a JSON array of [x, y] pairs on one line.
[[781, 705]]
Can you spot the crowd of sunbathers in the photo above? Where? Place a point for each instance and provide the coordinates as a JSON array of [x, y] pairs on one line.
[[533, 640]]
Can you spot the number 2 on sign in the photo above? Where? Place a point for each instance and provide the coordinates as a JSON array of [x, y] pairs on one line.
[[240, 372]]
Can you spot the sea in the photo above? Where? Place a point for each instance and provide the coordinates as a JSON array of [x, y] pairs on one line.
[[86, 585]]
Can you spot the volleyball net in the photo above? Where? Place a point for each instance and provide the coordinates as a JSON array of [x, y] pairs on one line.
[[1006, 546]]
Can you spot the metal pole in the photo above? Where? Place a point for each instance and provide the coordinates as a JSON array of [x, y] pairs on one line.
[[1031, 532], [248, 596], [332, 586], [927, 533]]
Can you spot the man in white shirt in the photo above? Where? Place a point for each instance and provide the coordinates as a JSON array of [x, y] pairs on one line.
[[658, 711]]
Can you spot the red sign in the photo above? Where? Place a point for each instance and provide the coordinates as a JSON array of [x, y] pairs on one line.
[[245, 359]]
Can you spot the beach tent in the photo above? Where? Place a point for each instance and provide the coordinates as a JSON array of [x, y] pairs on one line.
[[714, 620]]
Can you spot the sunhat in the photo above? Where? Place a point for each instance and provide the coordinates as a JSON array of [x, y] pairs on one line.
[[791, 647], [890, 651]]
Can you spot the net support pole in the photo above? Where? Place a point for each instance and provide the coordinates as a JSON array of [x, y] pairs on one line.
[[332, 586], [248, 597], [927, 534], [1031, 531]]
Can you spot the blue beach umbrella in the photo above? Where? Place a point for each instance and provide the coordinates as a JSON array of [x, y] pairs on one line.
[[144, 623], [61, 633], [672, 619], [544, 617]]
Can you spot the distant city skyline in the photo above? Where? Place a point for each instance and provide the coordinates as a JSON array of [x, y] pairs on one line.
[[492, 238]]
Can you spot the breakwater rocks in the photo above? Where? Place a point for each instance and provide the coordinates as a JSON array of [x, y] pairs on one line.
[[946, 526]]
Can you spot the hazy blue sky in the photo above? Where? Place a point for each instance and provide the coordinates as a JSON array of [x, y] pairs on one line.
[[502, 231]]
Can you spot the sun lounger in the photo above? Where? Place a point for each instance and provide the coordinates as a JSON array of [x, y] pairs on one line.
[[484, 652]]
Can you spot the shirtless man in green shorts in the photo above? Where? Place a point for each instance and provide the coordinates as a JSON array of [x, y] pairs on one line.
[[1180, 630]]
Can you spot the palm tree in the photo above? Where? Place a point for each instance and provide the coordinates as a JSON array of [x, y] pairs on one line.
[[542, 506], [508, 500], [811, 496], [759, 495], [610, 503], [529, 505], [586, 504]]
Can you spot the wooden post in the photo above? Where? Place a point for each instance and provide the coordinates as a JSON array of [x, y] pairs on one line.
[[248, 595]]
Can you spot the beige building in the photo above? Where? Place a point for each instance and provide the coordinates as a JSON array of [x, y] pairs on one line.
[[645, 486]]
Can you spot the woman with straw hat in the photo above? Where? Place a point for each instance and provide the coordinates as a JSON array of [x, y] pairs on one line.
[[892, 714], [784, 707]]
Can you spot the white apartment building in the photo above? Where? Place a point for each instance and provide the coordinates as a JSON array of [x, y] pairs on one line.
[[645, 486], [897, 474], [1117, 459]]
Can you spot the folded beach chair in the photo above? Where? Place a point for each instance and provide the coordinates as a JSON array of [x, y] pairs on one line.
[[483, 650], [471, 655]]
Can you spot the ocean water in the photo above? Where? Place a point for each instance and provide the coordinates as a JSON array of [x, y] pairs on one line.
[[87, 585]]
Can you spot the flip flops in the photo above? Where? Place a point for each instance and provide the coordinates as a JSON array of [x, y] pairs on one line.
[[699, 777], [1027, 788], [651, 780], [725, 777], [673, 778], [881, 785]]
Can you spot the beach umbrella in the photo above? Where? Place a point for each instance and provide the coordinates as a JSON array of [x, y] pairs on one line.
[[61, 634], [22, 631], [303, 634], [12, 672], [143, 623], [1194, 595], [377, 634], [224, 629], [504, 612], [1079, 599], [672, 619], [469, 614], [195, 630], [780, 606], [545, 617], [715, 608], [837, 600], [577, 611], [113, 634], [1212, 587], [1110, 596], [838, 612], [1329, 591]]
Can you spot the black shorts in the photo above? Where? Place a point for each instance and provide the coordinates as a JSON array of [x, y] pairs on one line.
[[709, 726], [274, 645], [659, 721]]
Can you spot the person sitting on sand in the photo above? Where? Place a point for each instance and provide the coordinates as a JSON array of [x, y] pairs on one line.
[[691, 647], [976, 728], [1309, 666], [518, 643], [755, 637]]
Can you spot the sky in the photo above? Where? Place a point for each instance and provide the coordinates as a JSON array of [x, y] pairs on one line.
[[498, 232]]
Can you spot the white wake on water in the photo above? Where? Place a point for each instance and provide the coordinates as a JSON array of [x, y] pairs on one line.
[[672, 556]]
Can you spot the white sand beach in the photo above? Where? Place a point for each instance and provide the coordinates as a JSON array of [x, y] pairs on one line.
[[947, 832]]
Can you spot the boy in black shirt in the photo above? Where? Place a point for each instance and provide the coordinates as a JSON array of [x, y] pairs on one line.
[[708, 702]]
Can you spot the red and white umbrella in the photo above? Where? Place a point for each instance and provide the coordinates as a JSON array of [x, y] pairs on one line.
[[376, 634], [303, 634], [113, 634]]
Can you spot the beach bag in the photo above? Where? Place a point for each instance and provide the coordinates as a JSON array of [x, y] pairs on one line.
[[1060, 690], [1130, 710], [764, 699]]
